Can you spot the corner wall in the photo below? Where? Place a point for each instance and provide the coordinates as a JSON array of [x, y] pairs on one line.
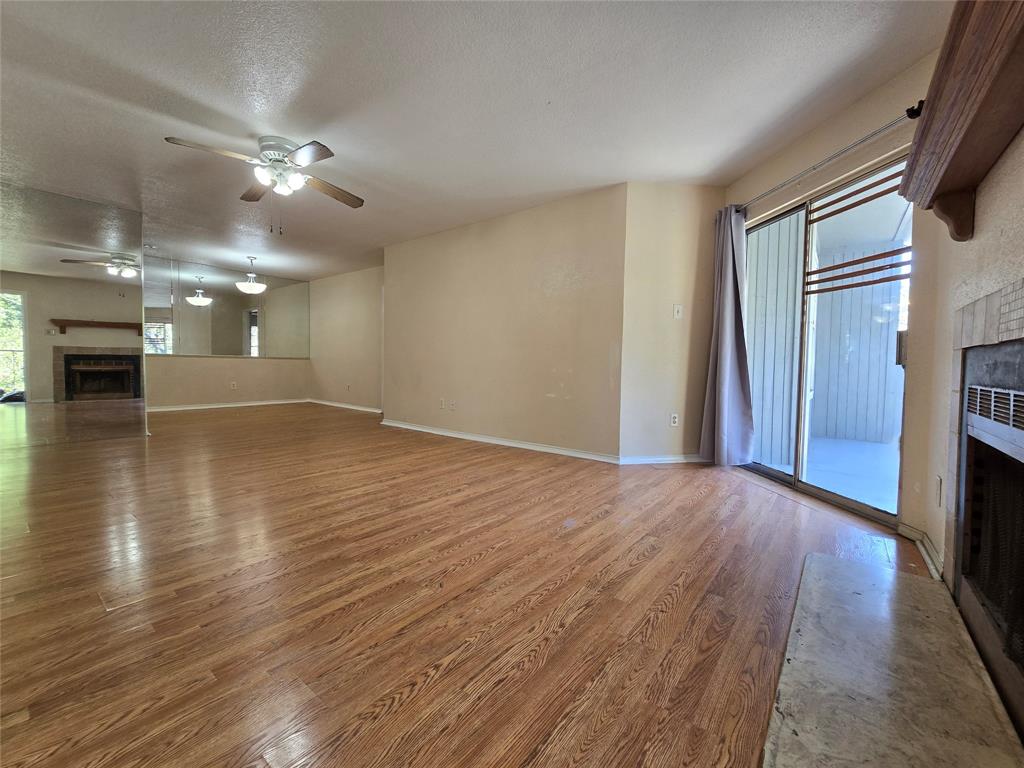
[[669, 260], [957, 274], [947, 276], [515, 322], [345, 337]]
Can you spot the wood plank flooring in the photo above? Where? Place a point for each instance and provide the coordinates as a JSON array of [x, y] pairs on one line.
[[24, 424], [297, 586]]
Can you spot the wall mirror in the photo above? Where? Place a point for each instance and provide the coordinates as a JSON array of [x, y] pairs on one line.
[[198, 309], [70, 319]]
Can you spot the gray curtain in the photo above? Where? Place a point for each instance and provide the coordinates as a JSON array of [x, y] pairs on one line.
[[727, 436]]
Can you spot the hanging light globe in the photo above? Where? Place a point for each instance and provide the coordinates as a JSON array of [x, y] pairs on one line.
[[250, 286], [199, 300]]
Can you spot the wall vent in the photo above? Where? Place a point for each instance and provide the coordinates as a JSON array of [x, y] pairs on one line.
[[1003, 406]]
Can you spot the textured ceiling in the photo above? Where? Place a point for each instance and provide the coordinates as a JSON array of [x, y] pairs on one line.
[[439, 114], [38, 229]]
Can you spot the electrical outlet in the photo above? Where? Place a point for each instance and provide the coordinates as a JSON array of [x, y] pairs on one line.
[[451, 405], [673, 420], [442, 403], [348, 387], [677, 311], [234, 385]]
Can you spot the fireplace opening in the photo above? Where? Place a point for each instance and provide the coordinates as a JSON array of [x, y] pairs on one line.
[[994, 544], [101, 382], [102, 376], [989, 574]]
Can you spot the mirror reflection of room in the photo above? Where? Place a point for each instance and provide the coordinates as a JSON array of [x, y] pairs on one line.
[[198, 309], [70, 320]]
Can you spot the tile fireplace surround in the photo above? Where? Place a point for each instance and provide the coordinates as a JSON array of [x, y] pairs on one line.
[[992, 319]]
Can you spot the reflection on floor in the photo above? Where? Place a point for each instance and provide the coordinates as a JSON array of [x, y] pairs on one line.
[[24, 424], [863, 471]]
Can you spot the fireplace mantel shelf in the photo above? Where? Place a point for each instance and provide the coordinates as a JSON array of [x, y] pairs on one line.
[[971, 113], [63, 324]]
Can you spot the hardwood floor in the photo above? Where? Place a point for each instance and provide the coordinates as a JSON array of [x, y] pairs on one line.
[[24, 424], [296, 585]]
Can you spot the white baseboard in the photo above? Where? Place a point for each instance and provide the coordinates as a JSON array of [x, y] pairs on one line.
[[350, 406], [605, 457], [924, 546], [207, 406], [677, 458]]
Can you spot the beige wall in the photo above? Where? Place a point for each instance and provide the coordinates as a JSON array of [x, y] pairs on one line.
[[669, 259], [193, 329], [952, 275], [285, 321], [227, 323], [173, 380], [877, 108], [345, 337], [61, 297], [518, 320]]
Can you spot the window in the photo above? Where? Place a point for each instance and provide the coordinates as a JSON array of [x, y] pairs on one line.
[[254, 333], [12, 341], [158, 338]]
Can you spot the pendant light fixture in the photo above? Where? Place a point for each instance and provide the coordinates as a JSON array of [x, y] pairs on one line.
[[250, 285], [199, 300]]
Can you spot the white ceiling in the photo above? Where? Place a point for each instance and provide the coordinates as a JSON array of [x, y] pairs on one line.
[[439, 114]]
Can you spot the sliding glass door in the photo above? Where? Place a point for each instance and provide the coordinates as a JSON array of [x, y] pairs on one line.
[[775, 258], [827, 300]]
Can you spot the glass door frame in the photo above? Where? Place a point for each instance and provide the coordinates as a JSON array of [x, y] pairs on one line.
[[851, 505]]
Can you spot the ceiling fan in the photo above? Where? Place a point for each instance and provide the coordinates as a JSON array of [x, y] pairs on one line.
[[278, 167], [118, 264]]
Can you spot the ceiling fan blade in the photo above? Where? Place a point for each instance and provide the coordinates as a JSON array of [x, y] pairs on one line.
[[337, 193], [214, 150], [85, 261], [66, 246], [254, 193], [310, 153]]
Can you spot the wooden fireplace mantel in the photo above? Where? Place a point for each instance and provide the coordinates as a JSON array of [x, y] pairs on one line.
[[972, 112], [63, 324]]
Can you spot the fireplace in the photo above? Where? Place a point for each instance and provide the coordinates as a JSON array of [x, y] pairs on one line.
[[101, 376], [989, 578]]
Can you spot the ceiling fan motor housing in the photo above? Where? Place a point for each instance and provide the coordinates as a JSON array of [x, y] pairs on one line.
[[275, 149]]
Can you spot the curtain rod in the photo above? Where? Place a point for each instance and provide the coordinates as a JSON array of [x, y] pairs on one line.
[[911, 113]]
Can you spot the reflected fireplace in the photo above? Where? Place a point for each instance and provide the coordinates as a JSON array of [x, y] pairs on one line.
[[990, 548], [101, 376]]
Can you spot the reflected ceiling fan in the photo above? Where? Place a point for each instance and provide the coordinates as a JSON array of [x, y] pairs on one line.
[[279, 165], [118, 264]]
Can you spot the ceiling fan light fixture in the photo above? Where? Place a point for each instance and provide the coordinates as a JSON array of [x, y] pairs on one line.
[[263, 175], [250, 286], [112, 269], [283, 189], [128, 272], [296, 180]]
